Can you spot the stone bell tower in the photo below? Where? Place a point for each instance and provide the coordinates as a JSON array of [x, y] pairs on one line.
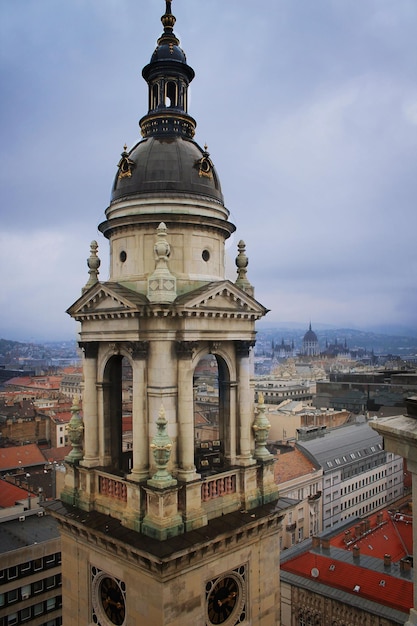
[[180, 527]]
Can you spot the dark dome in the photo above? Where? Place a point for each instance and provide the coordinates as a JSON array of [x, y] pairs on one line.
[[310, 336], [167, 52], [166, 164]]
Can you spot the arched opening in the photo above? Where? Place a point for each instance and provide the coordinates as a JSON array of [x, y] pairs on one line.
[[171, 96], [118, 431], [211, 414], [155, 98]]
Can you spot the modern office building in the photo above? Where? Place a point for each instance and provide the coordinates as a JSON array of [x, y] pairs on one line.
[[30, 568], [359, 476]]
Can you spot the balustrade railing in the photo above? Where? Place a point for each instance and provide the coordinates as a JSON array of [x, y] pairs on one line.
[[112, 488], [217, 487]]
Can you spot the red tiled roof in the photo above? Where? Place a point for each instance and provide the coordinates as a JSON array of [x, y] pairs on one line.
[[384, 532], [62, 417], [292, 465], [394, 592], [57, 454], [10, 494], [28, 456], [393, 535]]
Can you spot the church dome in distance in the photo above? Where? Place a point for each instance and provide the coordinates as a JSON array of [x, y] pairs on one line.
[[310, 335]]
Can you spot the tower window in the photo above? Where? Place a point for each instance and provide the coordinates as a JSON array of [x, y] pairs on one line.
[[123, 256], [206, 255], [155, 98], [171, 99]]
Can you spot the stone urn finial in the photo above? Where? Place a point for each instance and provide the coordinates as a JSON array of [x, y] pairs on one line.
[[93, 263], [261, 427], [75, 434], [242, 263], [161, 449], [162, 285]]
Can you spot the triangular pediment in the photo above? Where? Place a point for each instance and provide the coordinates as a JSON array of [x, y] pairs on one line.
[[221, 297], [107, 298]]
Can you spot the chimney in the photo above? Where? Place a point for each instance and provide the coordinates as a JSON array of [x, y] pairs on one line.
[[379, 518], [405, 565], [387, 560], [357, 530], [315, 542], [325, 543], [356, 552]]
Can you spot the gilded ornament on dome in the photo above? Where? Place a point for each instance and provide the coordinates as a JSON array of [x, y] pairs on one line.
[[125, 165]]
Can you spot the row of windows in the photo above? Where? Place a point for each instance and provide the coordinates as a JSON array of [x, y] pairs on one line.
[[368, 508], [354, 455], [28, 568], [360, 468], [28, 613], [365, 495], [28, 591], [364, 482]]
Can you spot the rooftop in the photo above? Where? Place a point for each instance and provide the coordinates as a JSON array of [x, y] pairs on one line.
[[368, 559], [33, 529]]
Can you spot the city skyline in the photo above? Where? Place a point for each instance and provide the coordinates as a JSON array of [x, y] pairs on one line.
[[309, 114]]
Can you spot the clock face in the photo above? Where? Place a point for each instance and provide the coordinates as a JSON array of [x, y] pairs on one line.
[[108, 599], [223, 599], [112, 600]]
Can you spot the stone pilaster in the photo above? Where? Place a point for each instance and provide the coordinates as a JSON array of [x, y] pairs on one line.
[[140, 470], [400, 437], [90, 406], [245, 403], [186, 467]]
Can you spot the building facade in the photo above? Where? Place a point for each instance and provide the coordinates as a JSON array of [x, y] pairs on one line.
[[146, 538], [359, 476], [30, 570]]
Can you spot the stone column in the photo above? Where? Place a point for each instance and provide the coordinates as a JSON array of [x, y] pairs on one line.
[[400, 437], [162, 389], [90, 408], [245, 402], [140, 469], [186, 466]]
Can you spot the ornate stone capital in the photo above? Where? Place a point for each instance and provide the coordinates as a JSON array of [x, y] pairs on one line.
[[138, 349], [242, 348], [89, 348], [185, 349]]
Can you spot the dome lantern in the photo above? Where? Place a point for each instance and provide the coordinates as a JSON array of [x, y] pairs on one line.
[[168, 76]]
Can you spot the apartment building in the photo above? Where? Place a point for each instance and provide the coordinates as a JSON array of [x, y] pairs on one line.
[[30, 568], [300, 485], [359, 476]]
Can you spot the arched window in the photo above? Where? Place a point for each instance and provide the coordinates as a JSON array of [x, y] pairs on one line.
[[155, 96], [211, 414], [171, 94], [118, 436]]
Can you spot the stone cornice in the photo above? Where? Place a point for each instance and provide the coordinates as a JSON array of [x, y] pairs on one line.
[[158, 557]]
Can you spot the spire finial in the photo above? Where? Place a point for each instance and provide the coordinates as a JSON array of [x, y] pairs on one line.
[[168, 20]]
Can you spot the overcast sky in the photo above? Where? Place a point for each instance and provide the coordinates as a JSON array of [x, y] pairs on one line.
[[309, 111]]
